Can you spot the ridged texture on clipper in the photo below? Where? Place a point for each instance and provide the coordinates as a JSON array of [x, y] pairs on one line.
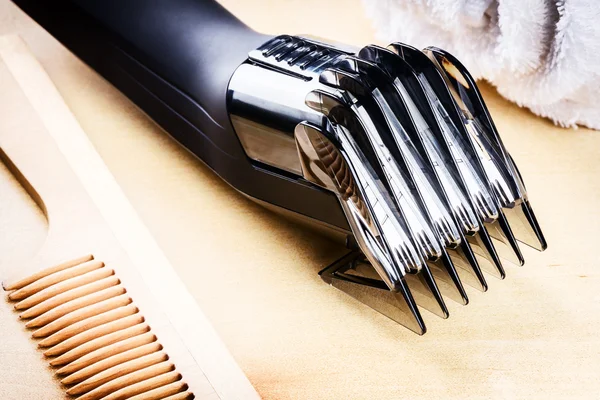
[[331, 158], [95, 337]]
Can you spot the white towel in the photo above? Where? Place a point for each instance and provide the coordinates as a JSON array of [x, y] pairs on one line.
[[542, 54]]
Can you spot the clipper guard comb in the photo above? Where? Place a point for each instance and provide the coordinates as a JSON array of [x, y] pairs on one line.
[[425, 199], [392, 147]]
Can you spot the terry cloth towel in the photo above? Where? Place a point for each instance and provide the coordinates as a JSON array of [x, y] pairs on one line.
[[542, 54]]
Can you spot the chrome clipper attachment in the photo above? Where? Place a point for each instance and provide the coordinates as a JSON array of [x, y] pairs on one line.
[[419, 171]]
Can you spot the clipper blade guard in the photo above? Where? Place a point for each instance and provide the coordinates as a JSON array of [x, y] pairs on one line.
[[426, 185]]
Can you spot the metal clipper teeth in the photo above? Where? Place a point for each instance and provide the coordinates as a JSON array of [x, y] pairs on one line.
[[403, 139], [498, 164]]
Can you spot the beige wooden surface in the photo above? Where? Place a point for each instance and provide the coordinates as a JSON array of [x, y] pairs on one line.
[[533, 335]]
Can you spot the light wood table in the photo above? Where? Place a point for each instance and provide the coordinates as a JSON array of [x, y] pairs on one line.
[[533, 335]]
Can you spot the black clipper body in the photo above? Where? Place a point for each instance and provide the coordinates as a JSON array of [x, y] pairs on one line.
[[386, 147]]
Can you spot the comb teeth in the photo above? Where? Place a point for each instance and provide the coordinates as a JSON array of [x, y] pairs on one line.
[[96, 338]]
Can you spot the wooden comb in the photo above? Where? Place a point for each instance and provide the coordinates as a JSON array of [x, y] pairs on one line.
[[116, 322], [94, 334]]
